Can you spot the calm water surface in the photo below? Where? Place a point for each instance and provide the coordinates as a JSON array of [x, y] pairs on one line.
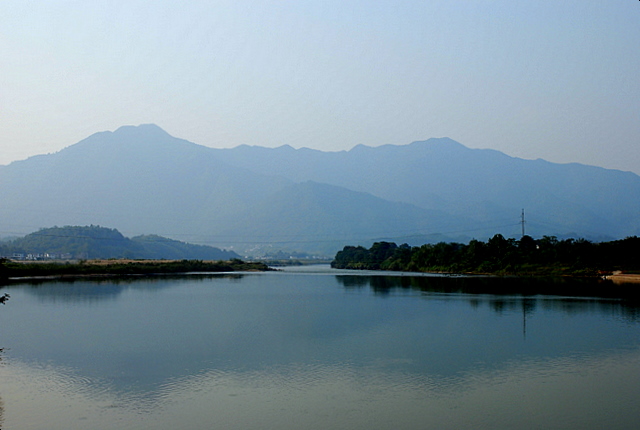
[[316, 349]]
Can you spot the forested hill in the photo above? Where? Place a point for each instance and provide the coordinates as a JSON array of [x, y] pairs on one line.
[[88, 242], [546, 256]]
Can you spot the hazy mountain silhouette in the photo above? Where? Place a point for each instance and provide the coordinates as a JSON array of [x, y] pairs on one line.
[[323, 218], [141, 180], [485, 186], [137, 179]]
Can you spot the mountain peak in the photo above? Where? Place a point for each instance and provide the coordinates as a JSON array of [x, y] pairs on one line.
[[442, 142], [151, 130], [144, 137]]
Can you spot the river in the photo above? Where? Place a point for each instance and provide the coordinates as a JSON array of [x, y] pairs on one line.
[[314, 348]]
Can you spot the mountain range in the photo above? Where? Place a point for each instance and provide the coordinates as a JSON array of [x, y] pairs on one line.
[[141, 180]]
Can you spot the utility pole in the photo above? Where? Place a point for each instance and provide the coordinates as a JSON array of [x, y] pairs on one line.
[[522, 222]]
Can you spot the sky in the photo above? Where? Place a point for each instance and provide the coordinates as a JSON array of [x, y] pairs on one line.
[[558, 80]]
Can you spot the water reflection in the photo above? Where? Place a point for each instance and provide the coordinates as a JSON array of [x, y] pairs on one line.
[[568, 295], [557, 286], [304, 351], [582, 392], [90, 289]]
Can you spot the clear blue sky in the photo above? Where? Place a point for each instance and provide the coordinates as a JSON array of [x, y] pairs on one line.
[[558, 80]]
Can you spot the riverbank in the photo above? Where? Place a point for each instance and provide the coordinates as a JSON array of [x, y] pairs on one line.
[[117, 267], [618, 277]]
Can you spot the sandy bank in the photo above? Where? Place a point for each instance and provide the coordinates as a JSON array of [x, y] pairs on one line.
[[623, 278]]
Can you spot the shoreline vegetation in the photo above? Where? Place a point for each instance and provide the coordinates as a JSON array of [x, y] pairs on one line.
[[122, 267], [618, 261]]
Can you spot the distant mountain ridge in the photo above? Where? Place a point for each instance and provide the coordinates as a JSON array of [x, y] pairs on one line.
[[144, 181], [444, 175]]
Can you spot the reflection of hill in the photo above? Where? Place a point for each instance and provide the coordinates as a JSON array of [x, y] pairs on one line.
[[101, 288]]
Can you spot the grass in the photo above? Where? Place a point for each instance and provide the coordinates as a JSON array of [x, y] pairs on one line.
[[10, 269]]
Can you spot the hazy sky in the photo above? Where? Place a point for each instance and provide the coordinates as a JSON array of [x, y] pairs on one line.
[[558, 80]]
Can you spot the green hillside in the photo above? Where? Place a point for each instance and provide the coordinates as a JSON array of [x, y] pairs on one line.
[[89, 242]]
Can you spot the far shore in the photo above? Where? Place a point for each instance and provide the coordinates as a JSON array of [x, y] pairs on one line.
[[120, 267]]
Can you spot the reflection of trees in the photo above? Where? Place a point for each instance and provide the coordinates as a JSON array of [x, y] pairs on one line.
[[529, 306], [352, 282], [379, 284], [510, 294], [614, 308], [499, 304]]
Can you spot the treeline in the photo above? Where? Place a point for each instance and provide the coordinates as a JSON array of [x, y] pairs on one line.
[[498, 256]]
